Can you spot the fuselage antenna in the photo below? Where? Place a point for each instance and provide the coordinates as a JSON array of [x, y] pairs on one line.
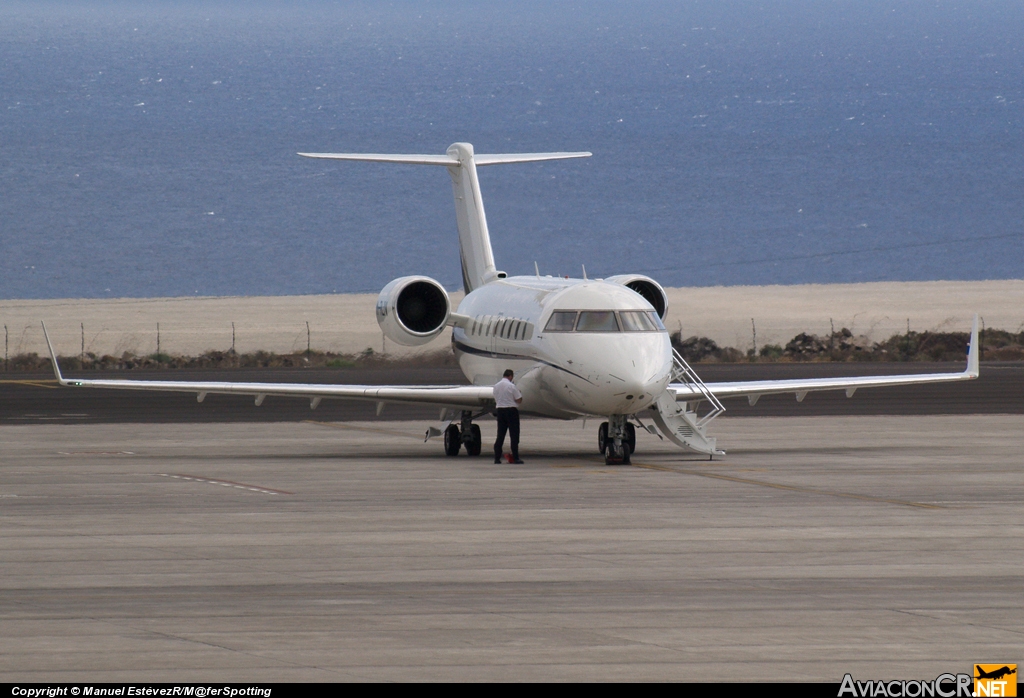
[[536, 269]]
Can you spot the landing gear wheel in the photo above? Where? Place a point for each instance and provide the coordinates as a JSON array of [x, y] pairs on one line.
[[617, 455], [630, 437], [452, 440], [602, 438], [473, 447]]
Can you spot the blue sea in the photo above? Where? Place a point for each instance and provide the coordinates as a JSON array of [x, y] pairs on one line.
[[149, 148]]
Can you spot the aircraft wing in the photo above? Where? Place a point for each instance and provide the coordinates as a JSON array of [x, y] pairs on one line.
[[468, 397], [753, 390]]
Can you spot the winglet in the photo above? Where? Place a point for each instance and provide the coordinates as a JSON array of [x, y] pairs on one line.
[[973, 370], [53, 356]]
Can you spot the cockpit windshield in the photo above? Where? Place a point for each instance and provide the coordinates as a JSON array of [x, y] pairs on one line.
[[604, 321], [561, 321], [636, 321], [597, 321]]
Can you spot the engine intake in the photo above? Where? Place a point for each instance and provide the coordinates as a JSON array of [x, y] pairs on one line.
[[412, 310], [647, 287]]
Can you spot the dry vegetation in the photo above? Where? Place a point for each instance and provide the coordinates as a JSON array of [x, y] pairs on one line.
[[843, 345]]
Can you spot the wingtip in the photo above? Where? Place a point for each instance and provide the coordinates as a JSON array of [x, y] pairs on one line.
[[973, 351], [53, 355]]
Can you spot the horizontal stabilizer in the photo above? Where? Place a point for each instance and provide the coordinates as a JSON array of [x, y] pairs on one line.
[[447, 160], [482, 160], [460, 159], [377, 157]]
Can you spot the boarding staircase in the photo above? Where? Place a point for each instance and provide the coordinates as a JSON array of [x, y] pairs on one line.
[[680, 424]]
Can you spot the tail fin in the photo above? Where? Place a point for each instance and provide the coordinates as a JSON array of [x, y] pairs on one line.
[[474, 239]]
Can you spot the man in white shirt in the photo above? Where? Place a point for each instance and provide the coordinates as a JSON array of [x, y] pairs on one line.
[[506, 399]]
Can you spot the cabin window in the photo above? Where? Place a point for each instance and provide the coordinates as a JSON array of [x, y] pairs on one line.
[[597, 321], [510, 328], [561, 321]]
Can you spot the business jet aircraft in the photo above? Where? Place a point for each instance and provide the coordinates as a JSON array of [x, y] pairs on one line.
[[579, 347]]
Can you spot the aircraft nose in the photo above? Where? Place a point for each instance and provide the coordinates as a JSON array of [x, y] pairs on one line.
[[644, 377], [619, 373]]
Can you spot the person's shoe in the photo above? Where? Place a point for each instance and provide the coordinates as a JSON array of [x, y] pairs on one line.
[[497, 461], [517, 462]]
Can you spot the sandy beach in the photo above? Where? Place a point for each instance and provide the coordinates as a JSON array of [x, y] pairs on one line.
[[346, 324]]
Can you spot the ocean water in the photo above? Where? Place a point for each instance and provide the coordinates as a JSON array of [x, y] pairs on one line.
[[148, 149]]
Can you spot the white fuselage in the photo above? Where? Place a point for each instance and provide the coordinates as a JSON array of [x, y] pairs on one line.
[[571, 372]]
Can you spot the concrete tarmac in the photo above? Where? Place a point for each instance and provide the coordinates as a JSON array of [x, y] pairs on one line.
[[885, 546]]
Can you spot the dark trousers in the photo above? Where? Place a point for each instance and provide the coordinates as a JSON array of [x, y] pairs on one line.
[[508, 421]]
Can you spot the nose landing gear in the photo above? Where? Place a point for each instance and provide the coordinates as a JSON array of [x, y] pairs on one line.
[[468, 435], [616, 440]]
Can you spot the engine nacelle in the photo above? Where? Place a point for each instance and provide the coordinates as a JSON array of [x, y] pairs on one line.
[[412, 310], [647, 287]]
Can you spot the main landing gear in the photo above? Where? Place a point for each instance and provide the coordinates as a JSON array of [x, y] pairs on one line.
[[464, 434], [616, 440]]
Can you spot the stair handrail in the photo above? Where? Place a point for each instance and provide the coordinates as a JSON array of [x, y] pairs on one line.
[[683, 373]]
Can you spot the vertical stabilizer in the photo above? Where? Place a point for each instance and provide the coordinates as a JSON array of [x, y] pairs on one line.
[[474, 239]]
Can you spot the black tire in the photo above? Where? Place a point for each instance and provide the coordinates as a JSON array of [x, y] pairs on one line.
[[631, 438], [474, 446], [617, 456], [602, 438], [452, 440]]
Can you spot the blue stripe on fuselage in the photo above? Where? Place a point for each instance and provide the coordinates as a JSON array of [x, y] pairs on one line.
[[459, 346]]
